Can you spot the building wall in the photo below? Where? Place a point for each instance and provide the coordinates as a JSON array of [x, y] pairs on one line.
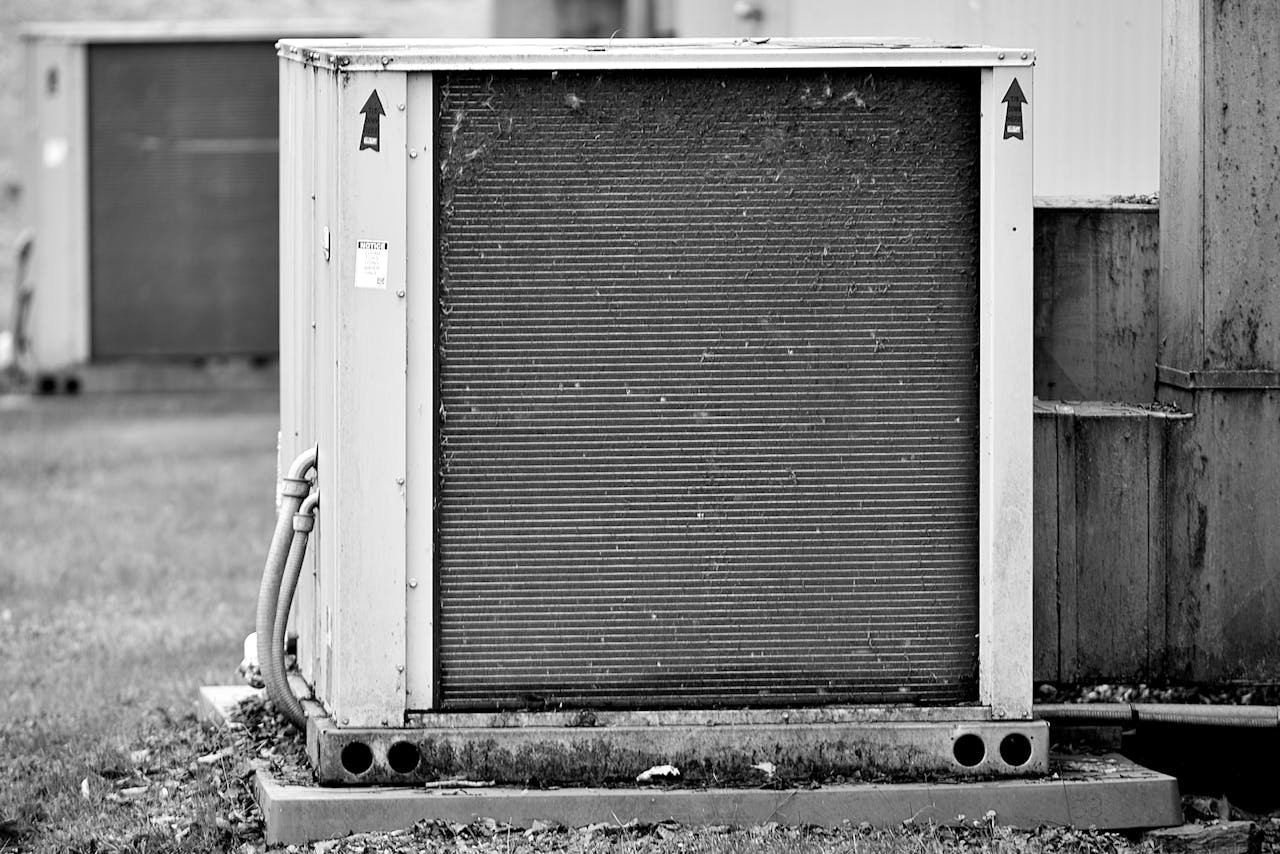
[[1097, 69]]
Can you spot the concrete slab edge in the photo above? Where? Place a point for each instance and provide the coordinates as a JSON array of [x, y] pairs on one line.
[[215, 703], [1136, 799], [1116, 795]]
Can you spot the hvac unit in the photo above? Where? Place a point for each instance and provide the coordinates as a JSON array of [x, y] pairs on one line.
[[659, 384], [154, 169]]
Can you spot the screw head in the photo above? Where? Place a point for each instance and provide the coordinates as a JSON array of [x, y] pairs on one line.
[[413, 154], [1024, 56], [400, 481]]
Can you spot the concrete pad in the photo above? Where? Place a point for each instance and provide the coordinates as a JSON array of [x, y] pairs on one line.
[[216, 702], [1107, 792]]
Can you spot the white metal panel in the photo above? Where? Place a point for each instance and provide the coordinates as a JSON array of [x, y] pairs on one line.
[[298, 319], [58, 92], [308, 340], [364, 469], [1098, 69], [1004, 451]]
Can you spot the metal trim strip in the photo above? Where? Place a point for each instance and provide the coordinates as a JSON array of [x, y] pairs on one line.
[[564, 54], [97, 32]]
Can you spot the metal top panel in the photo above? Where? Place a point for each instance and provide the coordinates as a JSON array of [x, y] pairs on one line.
[[98, 32], [577, 54]]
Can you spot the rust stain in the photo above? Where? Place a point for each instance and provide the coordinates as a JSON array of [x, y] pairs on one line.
[[1199, 538]]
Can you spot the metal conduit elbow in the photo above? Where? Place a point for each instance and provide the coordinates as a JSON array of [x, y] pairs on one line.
[[294, 487], [304, 463], [304, 516]]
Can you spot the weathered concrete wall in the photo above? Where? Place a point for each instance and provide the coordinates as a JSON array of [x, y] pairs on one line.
[[1100, 530], [1223, 552], [1219, 311], [1241, 191], [1097, 279]]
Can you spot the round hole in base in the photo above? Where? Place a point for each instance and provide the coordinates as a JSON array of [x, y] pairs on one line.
[[969, 750], [403, 757], [71, 385], [1015, 749], [357, 758]]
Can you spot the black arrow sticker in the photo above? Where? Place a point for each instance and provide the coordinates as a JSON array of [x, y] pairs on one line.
[[371, 136], [1013, 113]]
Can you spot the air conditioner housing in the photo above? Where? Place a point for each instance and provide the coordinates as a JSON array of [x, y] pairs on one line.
[[656, 381], [153, 156]]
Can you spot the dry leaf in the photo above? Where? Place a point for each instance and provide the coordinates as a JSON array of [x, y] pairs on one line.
[[658, 772]]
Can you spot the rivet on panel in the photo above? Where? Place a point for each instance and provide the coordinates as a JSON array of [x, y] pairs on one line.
[[399, 668], [413, 153], [400, 481], [1000, 56], [1024, 56], [400, 107], [400, 294], [413, 582], [386, 60]]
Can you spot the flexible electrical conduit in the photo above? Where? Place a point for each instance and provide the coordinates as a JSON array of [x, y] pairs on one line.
[[294, 487], [303, 522], [1164, 713]]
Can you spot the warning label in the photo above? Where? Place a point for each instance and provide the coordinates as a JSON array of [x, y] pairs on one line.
[[372, 263]]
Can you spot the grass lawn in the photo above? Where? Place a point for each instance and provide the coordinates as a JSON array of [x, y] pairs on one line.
[[132, 534]]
